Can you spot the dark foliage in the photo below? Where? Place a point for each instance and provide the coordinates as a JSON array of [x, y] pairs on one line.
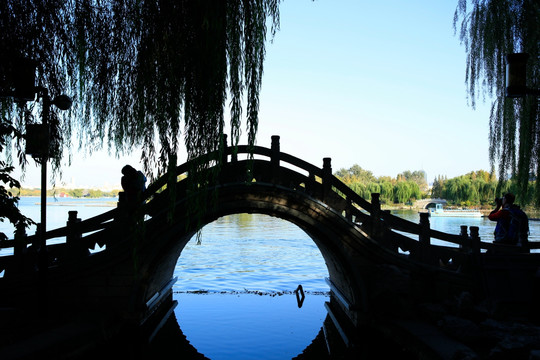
[[8, 201], [141, 72], [491, 29]]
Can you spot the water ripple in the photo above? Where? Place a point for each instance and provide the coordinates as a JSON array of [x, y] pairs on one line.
[[234, 254]]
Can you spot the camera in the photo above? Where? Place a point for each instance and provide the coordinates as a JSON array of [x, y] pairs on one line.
[[498, 201]]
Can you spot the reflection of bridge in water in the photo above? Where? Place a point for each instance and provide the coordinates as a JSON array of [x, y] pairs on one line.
[[381, 267]]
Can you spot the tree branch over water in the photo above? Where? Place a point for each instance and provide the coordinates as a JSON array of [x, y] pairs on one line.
[[489, 30], [141, 73]]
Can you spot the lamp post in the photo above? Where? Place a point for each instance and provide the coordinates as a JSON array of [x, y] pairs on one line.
[[516, 76], [17, 81], [41, 152]]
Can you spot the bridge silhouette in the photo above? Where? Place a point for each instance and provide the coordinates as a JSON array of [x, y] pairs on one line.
[[380, 266]]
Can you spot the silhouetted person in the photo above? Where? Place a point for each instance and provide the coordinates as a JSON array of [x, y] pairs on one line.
[[133, 183], [512, 223]]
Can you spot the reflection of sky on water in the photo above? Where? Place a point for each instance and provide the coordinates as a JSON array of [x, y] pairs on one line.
[[253, 252], [230, 326]]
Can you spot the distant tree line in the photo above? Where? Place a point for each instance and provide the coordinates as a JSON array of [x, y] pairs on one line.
[[405, 188], [73, 193], [476, 188]]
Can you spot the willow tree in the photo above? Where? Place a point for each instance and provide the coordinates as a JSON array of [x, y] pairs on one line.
[[491, 29], [142, 73]]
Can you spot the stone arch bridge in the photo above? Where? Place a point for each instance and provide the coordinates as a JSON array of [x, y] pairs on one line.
[[380, 266], [424, 203]]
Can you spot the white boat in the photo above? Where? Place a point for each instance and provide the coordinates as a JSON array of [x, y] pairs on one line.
[[440, 211]]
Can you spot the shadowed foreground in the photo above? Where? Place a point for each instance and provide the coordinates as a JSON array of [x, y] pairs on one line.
[[389, 284]]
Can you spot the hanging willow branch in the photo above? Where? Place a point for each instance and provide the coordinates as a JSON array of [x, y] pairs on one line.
[[142, 71], [490, 29]]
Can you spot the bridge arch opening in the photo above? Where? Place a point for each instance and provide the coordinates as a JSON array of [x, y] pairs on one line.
[[236, 286], [332, 234]]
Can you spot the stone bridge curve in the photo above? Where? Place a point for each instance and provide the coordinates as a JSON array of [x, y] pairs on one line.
[[367, 277], [424, 203], [336, 237]]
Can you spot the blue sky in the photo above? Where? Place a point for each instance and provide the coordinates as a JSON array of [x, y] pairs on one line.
[[378, 84]]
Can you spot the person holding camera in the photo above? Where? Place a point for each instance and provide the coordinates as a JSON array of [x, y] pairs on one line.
[[512, 223]]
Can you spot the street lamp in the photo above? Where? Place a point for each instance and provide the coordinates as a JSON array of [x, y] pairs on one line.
[[17, 81], [38, 140], [516, 76]]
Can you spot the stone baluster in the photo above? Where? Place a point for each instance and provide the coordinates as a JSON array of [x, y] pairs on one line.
[[376, 224], [465, 241], [475, 240], [275, 147], [348, 210], [375, 207], [223, 148], [76, 247], [123, 213], [39, 245], [424, 240], [121, 204], [19, 248], [473, 260], [275, 157], [172, 180], [424, 237], [327, 177], [311, 184], [234, 153], [35, 241]]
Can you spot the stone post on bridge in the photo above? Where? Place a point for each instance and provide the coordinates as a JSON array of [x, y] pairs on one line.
[[375, 206], [35, 241], [348, 210], [327, 177], [75, 245], [473, 265], [20, 249], [223, 148], [424, 240], [465, 241], [376, 222], [275, 157], [234, 152], [475, 240]]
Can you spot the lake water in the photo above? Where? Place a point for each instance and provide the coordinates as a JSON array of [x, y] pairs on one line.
[[235, 287]]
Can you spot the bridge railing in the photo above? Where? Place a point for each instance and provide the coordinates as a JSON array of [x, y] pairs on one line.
[[352, 205], [75, 238], [397, 233], [464, 240], [88, 226], [422, 229]]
